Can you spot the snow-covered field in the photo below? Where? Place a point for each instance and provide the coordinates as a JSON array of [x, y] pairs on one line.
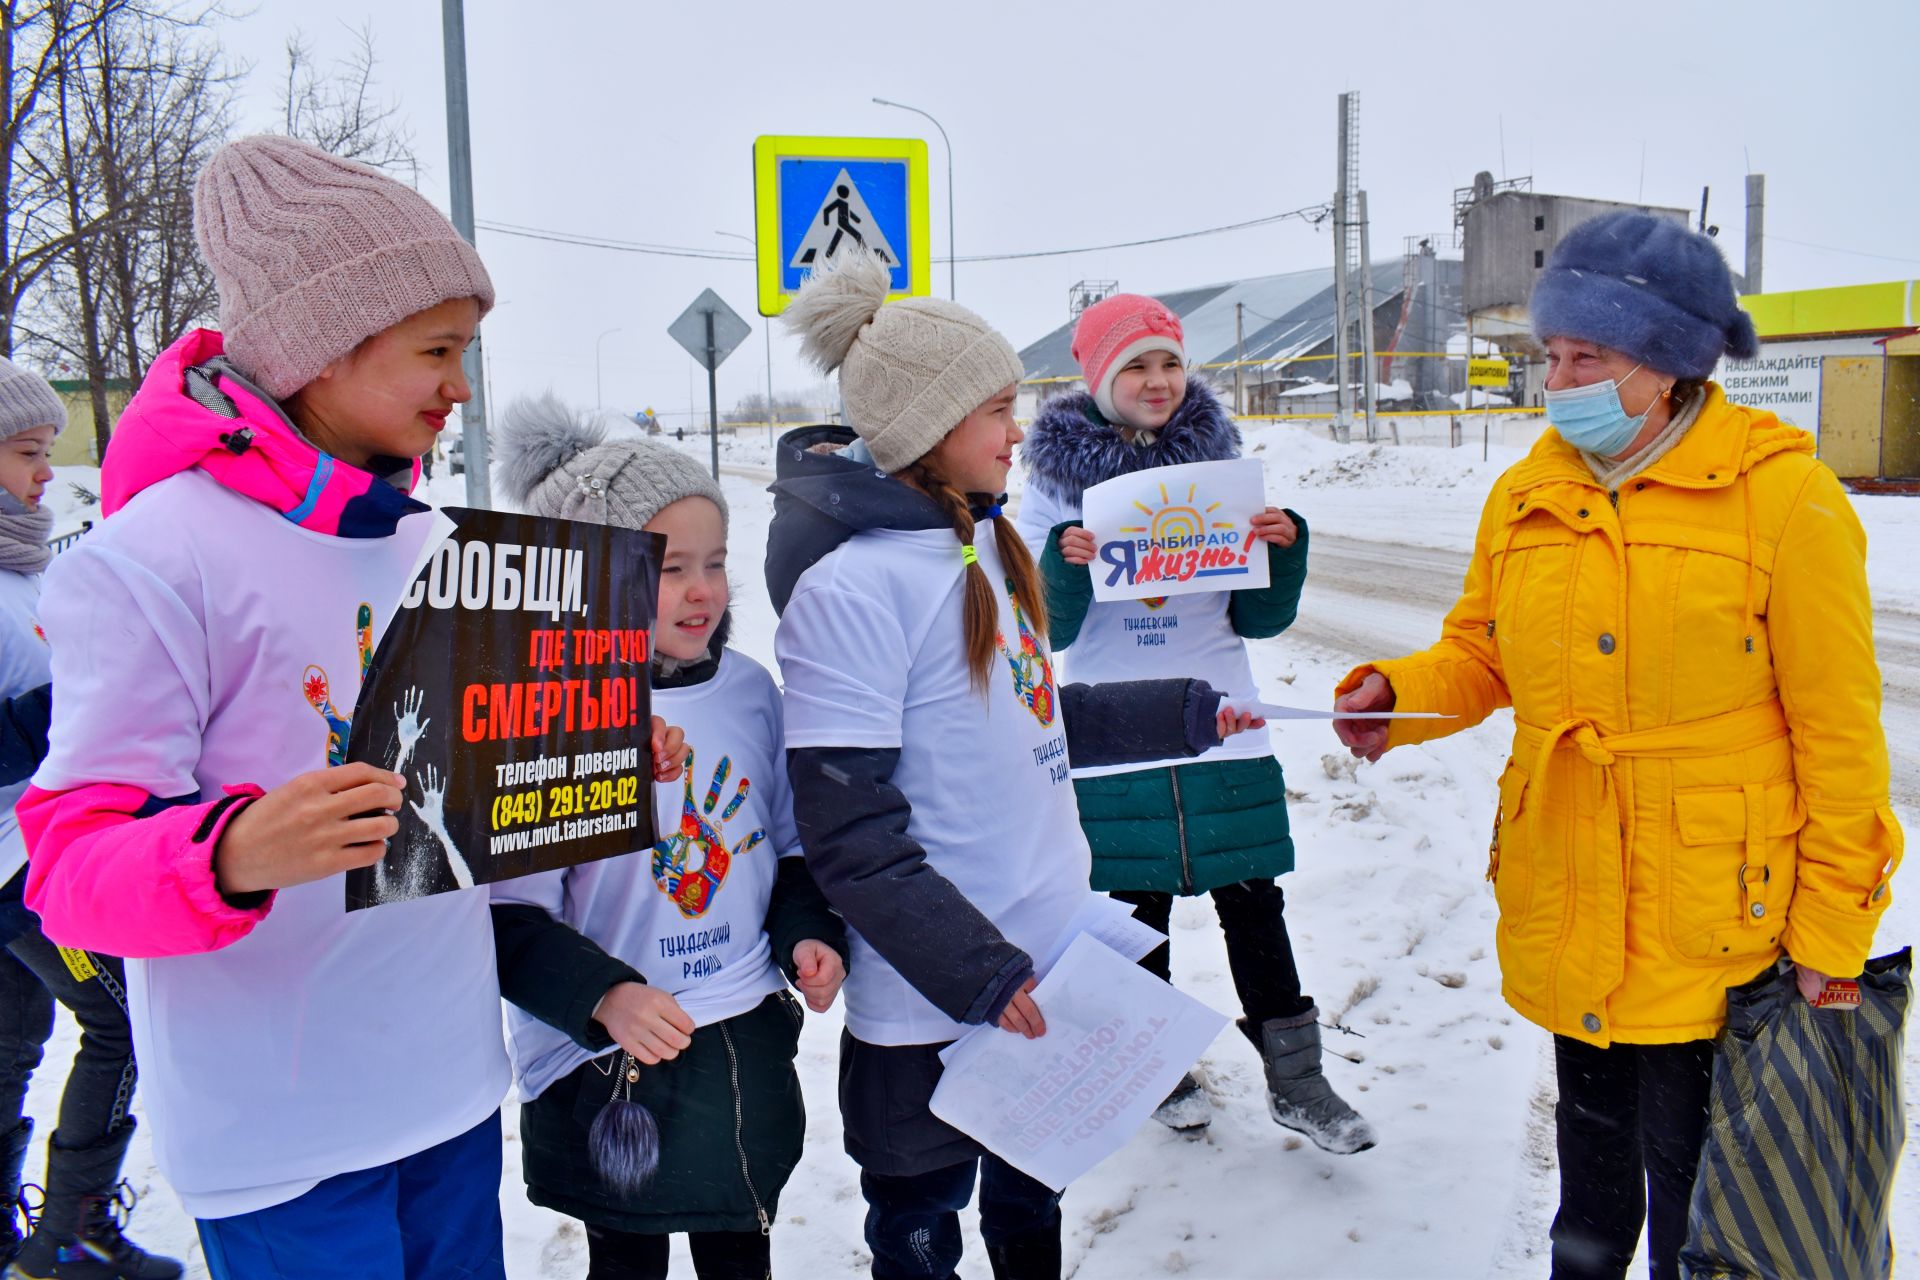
[[1390, 914]]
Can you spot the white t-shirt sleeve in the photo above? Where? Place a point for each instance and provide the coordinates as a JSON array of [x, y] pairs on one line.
[[844, 660], [544, 889], [130, 663], [1039, 512]]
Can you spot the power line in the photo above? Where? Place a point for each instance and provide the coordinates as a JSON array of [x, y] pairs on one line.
[[1857, 253], [1314, 214], [606, 242]]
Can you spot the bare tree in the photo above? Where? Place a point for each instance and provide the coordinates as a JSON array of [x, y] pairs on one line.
[[39, 43], [134, 108], [340, 111]]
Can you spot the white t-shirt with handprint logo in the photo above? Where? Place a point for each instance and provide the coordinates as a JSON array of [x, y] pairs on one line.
[[872, 649], [690, 913]]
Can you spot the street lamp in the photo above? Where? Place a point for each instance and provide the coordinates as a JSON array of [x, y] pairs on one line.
[[949, 144], [766, 328], [599, 400]]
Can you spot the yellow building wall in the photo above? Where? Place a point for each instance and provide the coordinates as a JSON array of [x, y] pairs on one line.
[[75, 447], [1900, 418], [1858, 308], [1851, 392]]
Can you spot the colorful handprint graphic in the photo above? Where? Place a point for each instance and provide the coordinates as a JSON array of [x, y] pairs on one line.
[[691, 864], [1032, 672], [319, 694]]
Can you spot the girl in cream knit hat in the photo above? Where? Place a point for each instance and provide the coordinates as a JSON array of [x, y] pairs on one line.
[[928, 744]]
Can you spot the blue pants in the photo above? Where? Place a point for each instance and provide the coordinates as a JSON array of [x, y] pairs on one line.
[[431, 1216], [913, 1223]]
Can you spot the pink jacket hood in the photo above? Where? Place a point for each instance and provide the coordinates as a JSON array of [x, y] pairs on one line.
[[194, 410]]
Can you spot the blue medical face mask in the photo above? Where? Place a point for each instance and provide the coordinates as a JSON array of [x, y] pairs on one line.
[[1592, 417]]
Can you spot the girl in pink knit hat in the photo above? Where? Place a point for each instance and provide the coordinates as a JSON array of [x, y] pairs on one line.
[[324, 1088], [1216, 824]]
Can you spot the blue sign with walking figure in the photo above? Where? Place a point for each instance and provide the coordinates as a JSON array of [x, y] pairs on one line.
[[817, 197]]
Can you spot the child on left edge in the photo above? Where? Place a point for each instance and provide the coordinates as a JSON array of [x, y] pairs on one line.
[[658, 977]]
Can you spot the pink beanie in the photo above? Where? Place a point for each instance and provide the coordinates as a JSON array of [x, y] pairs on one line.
[[314, 254], [1112, 332]]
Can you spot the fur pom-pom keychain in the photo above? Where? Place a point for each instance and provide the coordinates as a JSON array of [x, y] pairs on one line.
[[624, 1142]]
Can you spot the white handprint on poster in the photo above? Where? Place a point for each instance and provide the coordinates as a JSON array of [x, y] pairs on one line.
[[511, 694]]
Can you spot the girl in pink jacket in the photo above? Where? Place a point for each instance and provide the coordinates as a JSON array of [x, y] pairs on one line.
[[323, 1088]]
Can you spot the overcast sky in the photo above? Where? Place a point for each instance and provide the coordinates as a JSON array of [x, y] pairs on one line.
[[1077, 124]]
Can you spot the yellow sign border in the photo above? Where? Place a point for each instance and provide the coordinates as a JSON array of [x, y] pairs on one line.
[[770, 149]]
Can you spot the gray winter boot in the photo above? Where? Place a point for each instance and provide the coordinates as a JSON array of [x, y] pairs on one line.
[[1298, 1095]]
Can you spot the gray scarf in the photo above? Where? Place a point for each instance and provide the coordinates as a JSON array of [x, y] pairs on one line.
[[23, 540]]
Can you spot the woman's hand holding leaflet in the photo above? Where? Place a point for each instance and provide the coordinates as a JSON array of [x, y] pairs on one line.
[[1365, 738]]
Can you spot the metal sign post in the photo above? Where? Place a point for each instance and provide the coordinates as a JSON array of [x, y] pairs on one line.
[[1485, 373], [710, 330]]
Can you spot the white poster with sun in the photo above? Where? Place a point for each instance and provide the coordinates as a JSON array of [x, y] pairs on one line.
[[1176, 531]]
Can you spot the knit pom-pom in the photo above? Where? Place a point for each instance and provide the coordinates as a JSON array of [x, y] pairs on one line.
[[836, 303], [536, 436], [623, 1145]]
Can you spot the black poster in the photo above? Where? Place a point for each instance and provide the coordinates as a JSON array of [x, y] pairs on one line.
[[511, 693]]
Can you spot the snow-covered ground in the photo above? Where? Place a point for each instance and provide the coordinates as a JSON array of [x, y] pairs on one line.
[[1391, 917]]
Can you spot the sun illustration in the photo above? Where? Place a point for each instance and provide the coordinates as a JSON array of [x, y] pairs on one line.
[[1174, 520]]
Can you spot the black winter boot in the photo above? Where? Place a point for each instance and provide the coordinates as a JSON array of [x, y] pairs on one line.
[[77, 1234], [1298, 1095], [13, 1158], [1187, 1109], [1033, 1256]]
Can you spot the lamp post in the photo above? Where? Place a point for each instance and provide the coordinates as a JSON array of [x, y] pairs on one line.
[[766, 329], [600, 401], [949, 145]]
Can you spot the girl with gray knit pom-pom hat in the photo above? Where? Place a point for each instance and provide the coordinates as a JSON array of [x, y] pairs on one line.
[[657, 1078], [927, 742]]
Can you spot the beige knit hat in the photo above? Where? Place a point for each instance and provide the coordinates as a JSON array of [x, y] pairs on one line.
[[909, 370], [314, 254]]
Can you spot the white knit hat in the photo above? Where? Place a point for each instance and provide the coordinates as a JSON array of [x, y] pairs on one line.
[[909, 370]]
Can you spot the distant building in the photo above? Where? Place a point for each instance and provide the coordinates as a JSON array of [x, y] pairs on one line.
[[77, 446], [1843, 363], [1288, 326]]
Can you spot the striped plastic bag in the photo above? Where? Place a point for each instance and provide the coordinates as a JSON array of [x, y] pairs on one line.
[[1796, 1174]]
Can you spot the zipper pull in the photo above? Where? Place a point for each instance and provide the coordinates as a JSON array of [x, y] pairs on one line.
[[766, 1228], [1613, 496], [1489, 628]]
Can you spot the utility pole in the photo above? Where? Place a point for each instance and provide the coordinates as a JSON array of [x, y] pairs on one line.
[[1368, 384], [473, 414], [1239, 358], [1342, 412], [1756, 226]]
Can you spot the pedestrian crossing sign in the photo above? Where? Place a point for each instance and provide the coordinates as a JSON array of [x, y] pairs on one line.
[[818, 197]]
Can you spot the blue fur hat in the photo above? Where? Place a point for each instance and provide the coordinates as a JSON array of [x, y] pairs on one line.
[[1648, 288]]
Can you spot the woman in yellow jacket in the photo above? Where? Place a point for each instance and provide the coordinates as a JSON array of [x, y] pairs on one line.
[[1671, 594]]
